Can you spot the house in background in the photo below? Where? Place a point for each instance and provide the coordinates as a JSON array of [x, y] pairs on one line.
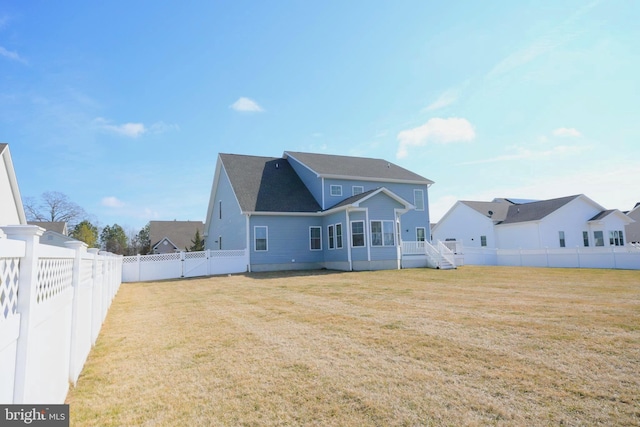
[[566, 222], [56, 233], [633, 229], [11, 209], [308, 211], [173, 236]]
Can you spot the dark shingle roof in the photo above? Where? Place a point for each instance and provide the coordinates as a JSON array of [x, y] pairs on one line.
[[535, 211], [602, 214], [353, 199], [2, 145], [267, 184], [497, 211], [181, 233], [358, 167], [56, 226]]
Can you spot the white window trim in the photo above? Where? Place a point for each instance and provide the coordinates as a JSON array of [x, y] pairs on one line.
[[320, 237], [425, 234], [415, 203], [353, 190], [255, 238], [331, 235], [335, 187], [364, 234]]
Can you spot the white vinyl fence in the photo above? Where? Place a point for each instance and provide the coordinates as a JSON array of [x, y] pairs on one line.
[[53, 302], [618, 257], [142, 268]]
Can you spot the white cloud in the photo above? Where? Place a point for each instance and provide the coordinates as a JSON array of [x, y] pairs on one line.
[[131, 130], [112, 202], [571, 132], [436, 130], [11, 55], [246, 105]]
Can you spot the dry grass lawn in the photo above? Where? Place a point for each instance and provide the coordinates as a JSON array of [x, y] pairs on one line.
[[418, 347]]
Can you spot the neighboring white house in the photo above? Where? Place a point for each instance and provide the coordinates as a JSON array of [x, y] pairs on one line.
[[633, 229], [11, 209], [566, 222], [494, 228]]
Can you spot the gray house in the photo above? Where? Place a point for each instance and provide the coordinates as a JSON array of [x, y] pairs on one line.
[[307, 211], [633, 229], [172, 236]]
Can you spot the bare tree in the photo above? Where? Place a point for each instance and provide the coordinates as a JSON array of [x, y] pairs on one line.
[[53, 207]]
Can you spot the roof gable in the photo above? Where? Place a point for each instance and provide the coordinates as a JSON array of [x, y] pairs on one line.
[[267, 184], [359, 198], [332, 166]]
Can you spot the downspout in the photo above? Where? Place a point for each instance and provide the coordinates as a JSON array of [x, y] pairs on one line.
[[323, 207], [248, 244], [366, 233], [348, 229]]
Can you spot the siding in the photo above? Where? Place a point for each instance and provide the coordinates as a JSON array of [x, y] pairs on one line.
[[288, 240], [232, 226]]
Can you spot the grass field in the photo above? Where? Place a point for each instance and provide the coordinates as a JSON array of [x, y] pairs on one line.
[[417, 347]]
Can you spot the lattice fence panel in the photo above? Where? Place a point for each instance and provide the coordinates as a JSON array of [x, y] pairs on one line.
[[9, 275], [195, 255], [160, 257], [54, 276]]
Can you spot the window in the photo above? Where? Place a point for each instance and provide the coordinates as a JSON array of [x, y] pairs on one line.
[[338, 236], [357, 189], [336, 190], [421, 234], [563, 243], [616, 238], [585, 238], [388, 233], [330, 233], [315, 238], [376, 233], [598, 237], [220, 209], [219, 243], [483, 241], [357, 233], [382, 233], [418, 199], [260, 234]]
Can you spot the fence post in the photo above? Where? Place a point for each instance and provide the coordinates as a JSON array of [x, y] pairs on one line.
[[208, 255], [95, 296], [79, 248], [27, 302], [182, 263]]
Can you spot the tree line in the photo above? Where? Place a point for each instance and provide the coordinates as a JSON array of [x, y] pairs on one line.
[[53, 206]]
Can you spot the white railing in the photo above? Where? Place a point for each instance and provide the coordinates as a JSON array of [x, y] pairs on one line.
[[53, 302], [142, 268], [446, 253]]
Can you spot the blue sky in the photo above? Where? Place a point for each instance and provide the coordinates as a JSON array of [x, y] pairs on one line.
[[124, 106]]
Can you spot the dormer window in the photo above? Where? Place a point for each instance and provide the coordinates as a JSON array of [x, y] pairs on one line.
[[336, 190]]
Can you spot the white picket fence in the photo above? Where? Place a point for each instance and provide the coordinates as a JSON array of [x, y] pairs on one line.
[[53, 302], [617, 257], [142, 268]]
